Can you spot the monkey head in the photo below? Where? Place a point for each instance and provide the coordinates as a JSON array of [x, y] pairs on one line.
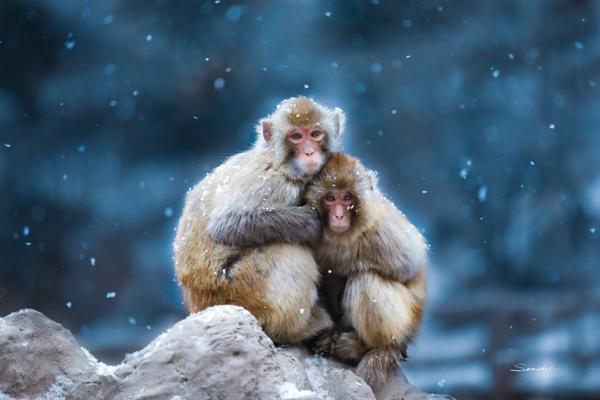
[[301, 133], [341, 193]]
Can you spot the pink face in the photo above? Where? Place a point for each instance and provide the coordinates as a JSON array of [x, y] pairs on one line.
[[307, 141], [339, 205]]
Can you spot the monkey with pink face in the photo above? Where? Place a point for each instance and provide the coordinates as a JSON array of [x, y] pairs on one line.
[[244, 234], [374, 263]]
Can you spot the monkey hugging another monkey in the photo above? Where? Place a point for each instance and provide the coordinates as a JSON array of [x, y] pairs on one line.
[[261, 229]]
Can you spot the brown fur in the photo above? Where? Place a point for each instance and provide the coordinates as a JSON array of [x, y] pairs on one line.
[[303, 113], [383, 257], [347, 346], [242, 236]]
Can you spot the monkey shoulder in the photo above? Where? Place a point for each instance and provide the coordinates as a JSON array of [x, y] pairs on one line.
[[409, 237], [391, 247], [396, 226], [247, 180]]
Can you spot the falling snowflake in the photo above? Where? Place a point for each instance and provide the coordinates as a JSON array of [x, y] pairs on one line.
[[482, 193]]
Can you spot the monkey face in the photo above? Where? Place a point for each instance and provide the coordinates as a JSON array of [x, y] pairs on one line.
[[300, 135], [339, 205], [307, 144]]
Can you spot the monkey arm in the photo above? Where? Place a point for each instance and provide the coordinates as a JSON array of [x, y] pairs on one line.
[[396, 254], [263, 225], [396, 272]]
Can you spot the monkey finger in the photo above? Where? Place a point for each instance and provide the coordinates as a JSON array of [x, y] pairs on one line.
[[322, 345]]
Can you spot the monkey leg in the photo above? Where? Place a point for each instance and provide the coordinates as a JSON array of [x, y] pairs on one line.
[[319, 335], [377, 364], [385, 315], [292, 290], [383, 312], [277, 283]]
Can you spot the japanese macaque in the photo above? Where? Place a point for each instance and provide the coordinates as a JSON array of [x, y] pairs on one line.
[[368, 243], [244, 235]]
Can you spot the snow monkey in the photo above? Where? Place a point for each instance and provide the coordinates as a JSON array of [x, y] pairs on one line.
[[244, 235], [381, 256]]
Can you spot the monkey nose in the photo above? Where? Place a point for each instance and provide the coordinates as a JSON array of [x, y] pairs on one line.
[[341, 216], [309, 153]]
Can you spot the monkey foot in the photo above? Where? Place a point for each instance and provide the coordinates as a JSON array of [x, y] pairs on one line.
[[322, 345], [348, 347]]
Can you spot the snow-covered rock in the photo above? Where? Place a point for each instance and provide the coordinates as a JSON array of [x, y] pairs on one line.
[[40, 359], [220, 353]]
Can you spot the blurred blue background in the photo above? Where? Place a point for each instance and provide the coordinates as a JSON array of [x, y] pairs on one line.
[[482, 118]]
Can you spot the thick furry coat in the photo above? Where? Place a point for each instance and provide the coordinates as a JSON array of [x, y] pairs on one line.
[[242, 238], [383, 258]]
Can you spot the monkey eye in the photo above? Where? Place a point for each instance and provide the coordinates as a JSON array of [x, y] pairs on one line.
[[316, 133], [348, 196], [330, 197], [296, 135]]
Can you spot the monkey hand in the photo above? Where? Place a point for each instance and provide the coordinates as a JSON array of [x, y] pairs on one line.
[[396, 271], [313, 225], [403, 273], [322, 345]]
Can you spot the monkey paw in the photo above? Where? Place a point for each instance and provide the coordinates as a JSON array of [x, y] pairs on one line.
[[374, 377], [347, 346], [322, 345]]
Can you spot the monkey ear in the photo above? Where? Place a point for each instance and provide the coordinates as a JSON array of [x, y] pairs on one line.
[[339, 120], [267, 129]]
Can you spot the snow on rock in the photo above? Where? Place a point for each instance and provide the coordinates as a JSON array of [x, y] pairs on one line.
[[289, 390], [220, 352], [52, 362]]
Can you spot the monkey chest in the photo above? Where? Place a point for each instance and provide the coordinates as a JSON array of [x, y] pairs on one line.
[[339, 260]]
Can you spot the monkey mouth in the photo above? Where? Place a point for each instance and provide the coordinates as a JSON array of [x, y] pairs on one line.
[[311, 167], [339, 227]]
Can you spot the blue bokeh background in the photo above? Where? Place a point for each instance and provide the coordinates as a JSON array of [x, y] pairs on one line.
[[482, 118]]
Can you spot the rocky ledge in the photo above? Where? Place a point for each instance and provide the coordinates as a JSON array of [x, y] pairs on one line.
[[220, 353]]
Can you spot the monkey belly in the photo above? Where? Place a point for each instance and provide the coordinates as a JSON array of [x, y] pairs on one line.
[[383, 312]]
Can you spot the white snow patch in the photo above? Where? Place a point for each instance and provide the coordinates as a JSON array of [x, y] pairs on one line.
[[314, 371], [58, 390], [202, 345], [101, 368], [289, 390], [14, 314]]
